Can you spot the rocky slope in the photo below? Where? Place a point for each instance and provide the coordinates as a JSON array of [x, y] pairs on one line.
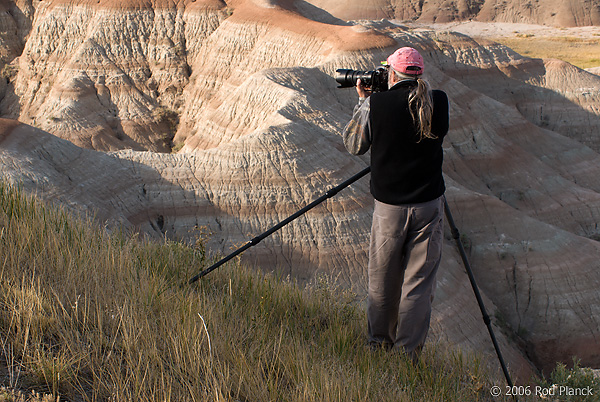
[[552, 12], [246, 89]]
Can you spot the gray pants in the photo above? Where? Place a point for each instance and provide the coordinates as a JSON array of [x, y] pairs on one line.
[[405, 253]]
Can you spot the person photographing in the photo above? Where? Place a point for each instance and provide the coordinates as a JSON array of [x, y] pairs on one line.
[[404, 128]]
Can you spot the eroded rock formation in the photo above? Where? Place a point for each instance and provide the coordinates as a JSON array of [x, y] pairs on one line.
[[552, 12], [246, 89]]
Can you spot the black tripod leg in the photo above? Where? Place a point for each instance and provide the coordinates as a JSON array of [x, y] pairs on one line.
[[330, 193], [486, 317]]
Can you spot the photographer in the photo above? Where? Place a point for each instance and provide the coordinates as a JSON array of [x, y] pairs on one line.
[[404, 127]]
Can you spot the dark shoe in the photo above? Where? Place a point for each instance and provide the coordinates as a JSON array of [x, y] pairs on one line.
[[378, 345]]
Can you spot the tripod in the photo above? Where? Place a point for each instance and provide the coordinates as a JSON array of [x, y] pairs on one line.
[[332, 192]]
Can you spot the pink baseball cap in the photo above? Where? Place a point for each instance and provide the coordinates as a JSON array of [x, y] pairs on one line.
[[406, 60]]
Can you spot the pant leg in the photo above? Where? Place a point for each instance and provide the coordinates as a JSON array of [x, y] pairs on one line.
[[423, 251], [386, 271]]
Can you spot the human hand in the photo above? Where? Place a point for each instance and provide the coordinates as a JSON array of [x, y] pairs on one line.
[[361, 90]]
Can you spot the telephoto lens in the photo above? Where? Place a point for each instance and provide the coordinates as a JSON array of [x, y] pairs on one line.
[[375, 80]]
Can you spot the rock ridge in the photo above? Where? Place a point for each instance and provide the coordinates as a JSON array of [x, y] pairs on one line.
[[544, 12]]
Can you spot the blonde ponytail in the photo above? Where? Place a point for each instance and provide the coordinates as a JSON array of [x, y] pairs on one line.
[[420, 104]]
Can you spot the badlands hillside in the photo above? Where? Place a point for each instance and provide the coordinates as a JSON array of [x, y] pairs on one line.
[[177, 117], [563, 13]]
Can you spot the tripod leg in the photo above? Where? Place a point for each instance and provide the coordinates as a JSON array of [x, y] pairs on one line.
[[330, 193], [486, 317]]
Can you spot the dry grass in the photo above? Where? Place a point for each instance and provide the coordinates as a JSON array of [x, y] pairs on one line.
[[13, 395], [583, 53], [92, 316]]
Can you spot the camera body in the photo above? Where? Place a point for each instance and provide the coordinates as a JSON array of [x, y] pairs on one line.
[[376, 80]]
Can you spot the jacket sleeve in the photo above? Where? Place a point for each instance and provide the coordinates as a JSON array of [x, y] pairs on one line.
[[357, 133]]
